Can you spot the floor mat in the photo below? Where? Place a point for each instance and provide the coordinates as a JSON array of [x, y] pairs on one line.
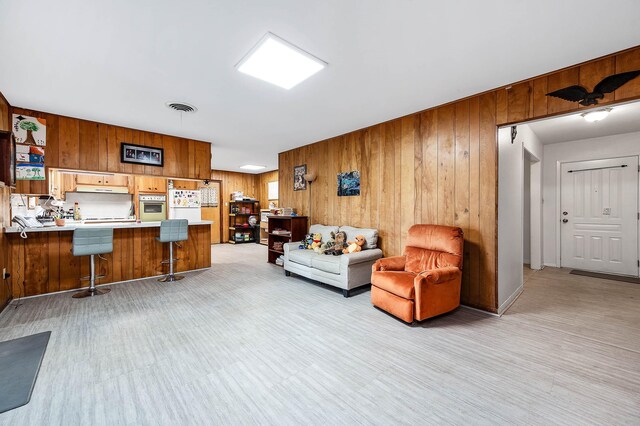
[[20, 361], [633, 280]]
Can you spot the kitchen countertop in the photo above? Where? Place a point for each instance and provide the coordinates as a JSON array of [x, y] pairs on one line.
[[70, 226]]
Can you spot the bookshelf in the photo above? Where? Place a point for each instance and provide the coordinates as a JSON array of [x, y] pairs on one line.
[[240, 231], [295, 228]]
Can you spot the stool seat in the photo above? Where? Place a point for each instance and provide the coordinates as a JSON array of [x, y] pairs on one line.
[[172, 231], [92, 242]]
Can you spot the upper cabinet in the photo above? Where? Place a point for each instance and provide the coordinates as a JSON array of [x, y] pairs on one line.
[[186, 184], [109, 180], [151, 184]]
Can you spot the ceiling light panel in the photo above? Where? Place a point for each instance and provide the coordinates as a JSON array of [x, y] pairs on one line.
[[278, 62], [252, 167]]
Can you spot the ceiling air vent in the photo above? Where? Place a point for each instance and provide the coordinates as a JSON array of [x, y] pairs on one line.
[[181, 107]]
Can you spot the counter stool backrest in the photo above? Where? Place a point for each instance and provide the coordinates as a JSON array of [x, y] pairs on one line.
[[88, 241], [174, 230]]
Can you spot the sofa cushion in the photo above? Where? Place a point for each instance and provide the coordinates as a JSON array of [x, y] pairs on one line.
[[326, 263], [302, 257], [399, 283], [324, 230], [370, 235]]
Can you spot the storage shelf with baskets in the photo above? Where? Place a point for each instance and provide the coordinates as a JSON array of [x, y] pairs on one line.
[[244, 217], [282, 230]]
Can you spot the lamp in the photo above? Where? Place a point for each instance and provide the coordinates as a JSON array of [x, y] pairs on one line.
[[310, 178], [594, 116]]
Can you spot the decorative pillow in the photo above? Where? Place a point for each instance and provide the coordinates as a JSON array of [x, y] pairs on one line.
[[370, 235], [324, 230]]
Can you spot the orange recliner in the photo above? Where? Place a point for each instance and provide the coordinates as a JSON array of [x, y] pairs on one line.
[[425, 281]]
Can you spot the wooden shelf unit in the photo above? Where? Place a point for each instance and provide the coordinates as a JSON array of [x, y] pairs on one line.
[[297, 227], [237, 219]]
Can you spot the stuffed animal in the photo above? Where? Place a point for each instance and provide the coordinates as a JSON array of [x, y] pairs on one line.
[[354, 246], [317, 242], [329, 244], [305, 244], [338, 245]]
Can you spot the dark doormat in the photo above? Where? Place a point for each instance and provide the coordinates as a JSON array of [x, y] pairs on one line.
[[20, 361], [633, 280]]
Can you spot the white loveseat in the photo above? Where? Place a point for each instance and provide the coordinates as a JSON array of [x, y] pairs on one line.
[[347, 271]]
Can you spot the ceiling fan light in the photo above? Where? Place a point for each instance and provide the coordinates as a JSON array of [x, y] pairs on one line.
[[595, 116]]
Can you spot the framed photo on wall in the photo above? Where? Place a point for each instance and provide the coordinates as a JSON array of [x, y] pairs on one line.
[[299, 184], [138, 154]]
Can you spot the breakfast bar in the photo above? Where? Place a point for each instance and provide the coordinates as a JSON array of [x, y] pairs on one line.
[[43, 263]]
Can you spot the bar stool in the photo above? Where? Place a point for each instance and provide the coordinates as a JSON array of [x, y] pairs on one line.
[[92, 242], [172, 231]]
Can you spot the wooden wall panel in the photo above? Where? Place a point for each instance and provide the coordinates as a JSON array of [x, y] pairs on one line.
[[231, 182], [87, 145], [43, 263], [5, 290], [5, 114], [628, 61]]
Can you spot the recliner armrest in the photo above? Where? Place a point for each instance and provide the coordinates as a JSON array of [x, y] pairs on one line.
[[394, 263], [370, 255], [440, 275]]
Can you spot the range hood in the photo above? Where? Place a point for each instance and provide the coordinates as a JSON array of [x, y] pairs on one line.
[[102, 189]]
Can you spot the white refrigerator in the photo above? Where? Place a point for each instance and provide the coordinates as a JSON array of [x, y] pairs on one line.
[[184, 204]]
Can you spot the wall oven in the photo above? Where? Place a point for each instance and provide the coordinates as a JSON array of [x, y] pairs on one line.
[[152, 208]]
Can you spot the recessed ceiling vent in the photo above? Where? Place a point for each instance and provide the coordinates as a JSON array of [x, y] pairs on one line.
[[181, 107]]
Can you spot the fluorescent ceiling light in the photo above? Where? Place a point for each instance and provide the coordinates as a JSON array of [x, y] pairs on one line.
[[252, 167], [594, 116], [279, 62]]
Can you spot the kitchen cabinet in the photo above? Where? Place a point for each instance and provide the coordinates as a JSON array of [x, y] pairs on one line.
[[116, 180], [61, 183], [186, 184], [151, 184], [110, 180]]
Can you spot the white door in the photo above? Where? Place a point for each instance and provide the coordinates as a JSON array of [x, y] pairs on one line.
[[599, 215]]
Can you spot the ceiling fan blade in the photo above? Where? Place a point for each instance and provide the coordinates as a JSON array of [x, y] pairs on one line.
[[613, 82], [571, 93]]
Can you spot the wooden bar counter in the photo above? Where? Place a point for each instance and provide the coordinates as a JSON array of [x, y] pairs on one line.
[[42, 263]]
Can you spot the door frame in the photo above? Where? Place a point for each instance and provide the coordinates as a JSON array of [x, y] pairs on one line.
[[221, 204], [558, 220]]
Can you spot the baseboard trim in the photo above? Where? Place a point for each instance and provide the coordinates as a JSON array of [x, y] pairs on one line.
[[507, 303], [493, 314], [550, 265]]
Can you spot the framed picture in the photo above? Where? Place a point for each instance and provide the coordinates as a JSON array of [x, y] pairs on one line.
[[138, 154], [29, 130], [299, 184], [349, 183]]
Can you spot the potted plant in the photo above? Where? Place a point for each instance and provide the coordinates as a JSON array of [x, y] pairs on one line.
[[59, 219]]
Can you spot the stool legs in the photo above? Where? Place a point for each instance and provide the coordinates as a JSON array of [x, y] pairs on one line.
[[171, 276], [92, 290]]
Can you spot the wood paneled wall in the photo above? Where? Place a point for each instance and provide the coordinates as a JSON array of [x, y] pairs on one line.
[[438, 166], [263, 187], [5, 288], [254, 185], [43, 263], [87, 145], [5, 120]]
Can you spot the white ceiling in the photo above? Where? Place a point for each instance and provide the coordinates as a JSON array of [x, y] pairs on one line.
[[622, 119], [119, 61]]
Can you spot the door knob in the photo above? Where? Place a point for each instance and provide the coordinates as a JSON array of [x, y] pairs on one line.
[[565, 220], [565, 213]]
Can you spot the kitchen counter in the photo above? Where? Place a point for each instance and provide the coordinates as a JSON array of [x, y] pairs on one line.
[[43, 262], [70, 226]]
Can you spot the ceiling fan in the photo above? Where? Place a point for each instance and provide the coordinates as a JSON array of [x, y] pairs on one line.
[[607, 85]]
